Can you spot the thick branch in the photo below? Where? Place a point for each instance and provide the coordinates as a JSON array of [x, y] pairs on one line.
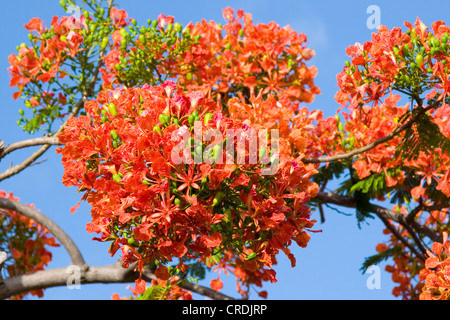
[[372, 145], [72, 275], [50, 225], [65, 276]]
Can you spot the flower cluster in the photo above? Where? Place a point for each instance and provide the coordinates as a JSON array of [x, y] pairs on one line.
[[217, 60], [43, 62], [159, 290], [413, 165], [412, 63], [26, 243], [404, 265], [136, 157], [242, 56], [436, 273]]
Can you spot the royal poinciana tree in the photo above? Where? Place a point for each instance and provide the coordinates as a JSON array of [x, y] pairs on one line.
[[140, 105]]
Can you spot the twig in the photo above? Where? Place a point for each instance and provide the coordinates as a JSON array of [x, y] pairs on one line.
[[334, 198], [204, 291], [373, 144], [401, 238], [29, 143], [27, 162], [78, 106]]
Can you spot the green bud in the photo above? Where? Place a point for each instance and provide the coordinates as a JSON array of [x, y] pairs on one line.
[[406, 50], [132, 242], [114, 134], [154, 23], [188, 76], [142, 39], [157, 129], [169, 28], [191, 119], [207, 118], [21, 112], [164, 119], [112, 109], [199, 151], [178, 27], [407, 79], [217, 152], [251, 256], [395, 50], [419, 60], [123, 32], [262, 152], [218, 198], [104, 43], [435, 42]]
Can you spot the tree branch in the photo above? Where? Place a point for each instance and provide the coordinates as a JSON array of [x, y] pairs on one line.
[[204, 291], [113, 273], [78, 106], [29, 143], [50, 225], [382, 213], [372, 145]]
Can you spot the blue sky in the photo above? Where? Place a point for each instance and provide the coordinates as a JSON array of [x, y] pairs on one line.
[[329, 267]]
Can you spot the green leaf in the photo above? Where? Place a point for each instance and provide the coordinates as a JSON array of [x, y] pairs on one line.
[[152, 293], [380, 257]]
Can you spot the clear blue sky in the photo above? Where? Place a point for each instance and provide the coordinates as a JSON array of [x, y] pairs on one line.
[[329, 267]]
